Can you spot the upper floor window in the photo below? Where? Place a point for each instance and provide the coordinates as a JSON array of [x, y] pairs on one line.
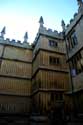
[[54, 60], [72, 41], [59, 96], [56, 96], [53, 43]]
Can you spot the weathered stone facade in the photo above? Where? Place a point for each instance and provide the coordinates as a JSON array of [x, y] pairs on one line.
[[36, 78], [33, 75], [74, 45]]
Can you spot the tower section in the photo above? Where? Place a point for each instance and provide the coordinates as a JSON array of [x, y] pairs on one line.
[[50, 77]]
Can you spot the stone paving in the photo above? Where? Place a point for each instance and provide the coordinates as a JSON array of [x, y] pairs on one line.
[[36, 120]]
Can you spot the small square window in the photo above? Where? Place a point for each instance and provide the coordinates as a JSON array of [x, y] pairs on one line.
[[53, 43], [59, 96], [54, 60]]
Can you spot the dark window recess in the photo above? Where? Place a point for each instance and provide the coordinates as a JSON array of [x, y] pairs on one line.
[[52, 96], [53, 43], [59, 96], [77, 64], [72, 41], [54, 60]]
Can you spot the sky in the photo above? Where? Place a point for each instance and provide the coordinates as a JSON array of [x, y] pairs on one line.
[[20, 16]]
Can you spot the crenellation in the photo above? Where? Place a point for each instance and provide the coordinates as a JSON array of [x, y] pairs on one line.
[[8, 39], [55, 31], [74, 21], [13, 40], [49, 30], [75, 15], [18, 41], [67, 25], [71, 21], [61, 34]]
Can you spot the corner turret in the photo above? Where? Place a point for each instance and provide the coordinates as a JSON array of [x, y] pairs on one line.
[[3, 32], [63, 25], [26, 37], [41, 21]]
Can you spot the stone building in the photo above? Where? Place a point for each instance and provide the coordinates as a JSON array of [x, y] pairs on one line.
[[15, 76], [35, 78], [50, 71], [74, 47]]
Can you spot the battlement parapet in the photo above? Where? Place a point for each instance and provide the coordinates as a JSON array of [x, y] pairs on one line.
[[13, 42], [49, 32], [73, 21]]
